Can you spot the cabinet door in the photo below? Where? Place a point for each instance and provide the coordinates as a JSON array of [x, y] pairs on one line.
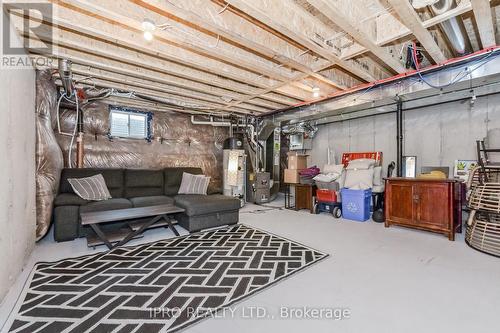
[[433, 204], [303, 197], [401, 202]]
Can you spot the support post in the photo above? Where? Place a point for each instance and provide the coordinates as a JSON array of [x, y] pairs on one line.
[[399, 129]]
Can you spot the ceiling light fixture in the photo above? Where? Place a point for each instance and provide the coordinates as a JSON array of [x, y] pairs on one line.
[[148, 26], [148, 35], [316, 92]]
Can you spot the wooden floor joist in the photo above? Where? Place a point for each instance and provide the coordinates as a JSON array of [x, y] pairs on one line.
[[244, 56], [411, 19], [484, 21], [266, 69], [336, 15]]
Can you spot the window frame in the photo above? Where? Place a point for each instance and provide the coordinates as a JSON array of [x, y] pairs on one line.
[[148, 116]]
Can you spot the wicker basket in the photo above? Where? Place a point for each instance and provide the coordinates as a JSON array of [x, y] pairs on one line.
[[485, 197], [491, 175], [483, 232]]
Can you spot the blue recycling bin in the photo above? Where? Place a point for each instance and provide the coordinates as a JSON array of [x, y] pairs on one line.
[[356, 204]]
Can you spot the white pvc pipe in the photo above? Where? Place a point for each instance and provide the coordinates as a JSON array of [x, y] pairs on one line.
[[211, 122]]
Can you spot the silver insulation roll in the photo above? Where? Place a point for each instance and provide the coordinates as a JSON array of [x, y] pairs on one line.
[[49, 159], [176, 142]]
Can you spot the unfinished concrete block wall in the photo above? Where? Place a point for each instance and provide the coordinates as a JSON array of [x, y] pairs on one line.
[[17, 176], [437, 135]]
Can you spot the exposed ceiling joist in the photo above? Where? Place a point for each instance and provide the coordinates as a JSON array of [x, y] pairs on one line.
[[175, 66], [168, 37], [464, 7], [99, 76], [111, 66], [116, 62], [298, 37], [184, 103], [336, 16], [411, 19], [171, 11], [245, 56], [484, 21]]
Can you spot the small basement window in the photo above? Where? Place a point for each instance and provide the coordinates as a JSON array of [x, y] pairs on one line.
[[129, 124]]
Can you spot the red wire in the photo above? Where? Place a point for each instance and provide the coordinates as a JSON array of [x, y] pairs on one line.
[[379, 82]]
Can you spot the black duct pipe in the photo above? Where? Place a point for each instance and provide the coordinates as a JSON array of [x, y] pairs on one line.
[[399, 130]]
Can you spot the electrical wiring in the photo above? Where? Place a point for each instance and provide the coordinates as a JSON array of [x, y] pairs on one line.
[[492, 51], [57, 114], [58, 108], [466, 72], [457, 78]]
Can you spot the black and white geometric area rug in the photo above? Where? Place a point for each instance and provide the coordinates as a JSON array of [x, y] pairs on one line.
[[162, 286]]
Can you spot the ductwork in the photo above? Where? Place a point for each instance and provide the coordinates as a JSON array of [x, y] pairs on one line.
[[215, 123], [66, 76], [450, 27], [306, 127]]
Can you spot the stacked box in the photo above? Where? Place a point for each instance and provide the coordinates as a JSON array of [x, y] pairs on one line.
[[292, 176], [296, 163]]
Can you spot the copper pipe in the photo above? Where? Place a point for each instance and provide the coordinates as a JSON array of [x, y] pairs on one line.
[[79, 150]]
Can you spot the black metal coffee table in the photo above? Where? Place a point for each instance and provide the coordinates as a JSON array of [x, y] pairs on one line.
[[160, 214]]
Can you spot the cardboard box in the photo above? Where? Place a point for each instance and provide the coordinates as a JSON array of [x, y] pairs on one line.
[[292, 176], [297, 161]]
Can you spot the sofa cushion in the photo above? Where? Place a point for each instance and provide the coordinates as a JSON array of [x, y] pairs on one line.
[[194, 184], [198, 204], [69, 199], [97, 206], [114, 179], [142, 183], [90, 188], [151, 201], [66, 226], [173, 178]]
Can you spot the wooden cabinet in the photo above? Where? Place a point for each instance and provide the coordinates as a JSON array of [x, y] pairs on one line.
[[426, 204], [304, 195]]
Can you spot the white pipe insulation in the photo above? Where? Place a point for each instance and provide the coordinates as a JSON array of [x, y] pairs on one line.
[[450, 27]]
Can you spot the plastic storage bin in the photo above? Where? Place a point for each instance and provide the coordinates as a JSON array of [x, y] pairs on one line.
[[326, 195], [356, 204], [332, 186]]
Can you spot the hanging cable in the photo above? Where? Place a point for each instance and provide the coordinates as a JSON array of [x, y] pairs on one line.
[[57, 114], [460, 76]]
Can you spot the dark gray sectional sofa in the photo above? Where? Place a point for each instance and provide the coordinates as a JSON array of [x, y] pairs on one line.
[[140, 188]]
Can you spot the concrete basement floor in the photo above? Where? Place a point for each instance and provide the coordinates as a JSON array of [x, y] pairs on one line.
[[391, 280]]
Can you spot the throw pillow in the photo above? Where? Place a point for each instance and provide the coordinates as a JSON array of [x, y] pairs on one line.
[[194, 184], [90, 188], [333, 168], [359, 179], [361, 164]]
